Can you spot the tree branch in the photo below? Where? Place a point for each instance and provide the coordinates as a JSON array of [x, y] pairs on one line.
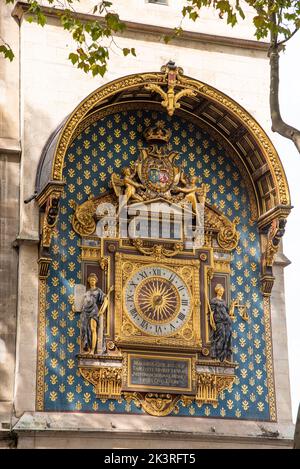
[[288, 38], [278, 124]]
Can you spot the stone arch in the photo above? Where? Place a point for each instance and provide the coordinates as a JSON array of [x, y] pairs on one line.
[[236, 130], [250, 146]]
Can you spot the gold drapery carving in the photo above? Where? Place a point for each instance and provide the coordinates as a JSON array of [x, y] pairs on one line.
[[106, 380], [210, 385]]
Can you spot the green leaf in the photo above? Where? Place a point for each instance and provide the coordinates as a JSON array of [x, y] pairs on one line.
[[126, 51], [194, 15], [102, 70], [258, 21], [73, 57], [41, 19], [223, 5], [186, 10], [7, 52]]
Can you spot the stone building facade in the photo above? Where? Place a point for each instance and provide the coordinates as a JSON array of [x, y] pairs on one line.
[[40, 90]]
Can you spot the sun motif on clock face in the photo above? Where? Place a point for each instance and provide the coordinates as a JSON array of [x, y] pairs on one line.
[[157, 300]]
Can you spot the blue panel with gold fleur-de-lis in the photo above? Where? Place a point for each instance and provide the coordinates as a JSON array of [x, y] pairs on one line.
[[101, 149]]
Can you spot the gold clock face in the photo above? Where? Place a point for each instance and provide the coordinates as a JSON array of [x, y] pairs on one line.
[[157, 300]]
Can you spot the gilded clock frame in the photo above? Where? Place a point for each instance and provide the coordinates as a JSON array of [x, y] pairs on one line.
[[188, 337]]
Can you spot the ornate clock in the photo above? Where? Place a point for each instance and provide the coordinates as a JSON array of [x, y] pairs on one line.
[[153, 338], [157, 302]]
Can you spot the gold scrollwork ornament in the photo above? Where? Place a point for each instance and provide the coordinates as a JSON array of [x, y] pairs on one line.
[[106, 381], [156, 404], [158, 250], [83, 219], [170, 99], [228, 237]]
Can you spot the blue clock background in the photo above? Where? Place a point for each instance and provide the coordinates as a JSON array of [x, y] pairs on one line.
[[99, 150]]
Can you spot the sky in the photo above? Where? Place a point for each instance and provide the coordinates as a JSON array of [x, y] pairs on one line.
[[290, 110]]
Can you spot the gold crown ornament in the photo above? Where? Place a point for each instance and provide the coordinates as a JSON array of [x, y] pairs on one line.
[[157, 133]]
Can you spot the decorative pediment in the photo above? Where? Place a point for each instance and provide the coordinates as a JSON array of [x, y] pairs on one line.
[[216, 225], [154, 181]]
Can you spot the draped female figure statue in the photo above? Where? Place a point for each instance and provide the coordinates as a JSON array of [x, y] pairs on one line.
[[221, 317], [92, 301]]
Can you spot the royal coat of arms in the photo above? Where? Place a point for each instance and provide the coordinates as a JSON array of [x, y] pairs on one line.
[[155, 163]]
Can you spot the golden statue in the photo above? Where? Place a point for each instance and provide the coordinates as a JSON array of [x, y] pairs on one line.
[[129, 184], [194, 193]]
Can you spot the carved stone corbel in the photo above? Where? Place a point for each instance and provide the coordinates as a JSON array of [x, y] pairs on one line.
[[274, 235], [50, 218]]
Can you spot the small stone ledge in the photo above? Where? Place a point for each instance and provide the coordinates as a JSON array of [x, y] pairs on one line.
[[281, 260], [10, 146], [26, 240], [8, 439], [140, 428]]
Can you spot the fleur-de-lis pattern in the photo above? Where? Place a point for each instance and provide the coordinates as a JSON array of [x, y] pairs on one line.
[[102, 148]]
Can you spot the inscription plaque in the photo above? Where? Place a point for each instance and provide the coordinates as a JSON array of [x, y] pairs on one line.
[[159, 373]]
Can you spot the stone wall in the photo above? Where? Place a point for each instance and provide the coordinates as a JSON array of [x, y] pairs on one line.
[[9, 211], [9, 221], [40, 88]]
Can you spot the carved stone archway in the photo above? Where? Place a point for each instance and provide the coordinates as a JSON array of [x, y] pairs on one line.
[[247, 144]]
